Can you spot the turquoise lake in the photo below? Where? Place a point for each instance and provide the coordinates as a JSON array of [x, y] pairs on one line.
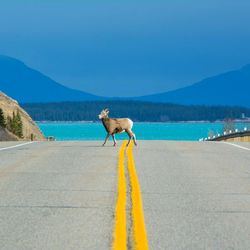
[[144, 131]]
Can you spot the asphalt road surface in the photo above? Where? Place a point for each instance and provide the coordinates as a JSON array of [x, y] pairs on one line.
[[62, 195]]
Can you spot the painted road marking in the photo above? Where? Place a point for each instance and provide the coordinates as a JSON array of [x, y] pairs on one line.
[[238, 146], [139, 228], [120, 230], [16, 146], [139, 233]]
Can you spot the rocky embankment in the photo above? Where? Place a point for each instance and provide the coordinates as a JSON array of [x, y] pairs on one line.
[[29, 129]]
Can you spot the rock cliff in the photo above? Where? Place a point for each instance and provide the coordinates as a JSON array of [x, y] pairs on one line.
[[30, 130]]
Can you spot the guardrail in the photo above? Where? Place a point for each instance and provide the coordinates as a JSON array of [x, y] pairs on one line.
[[232, 135]]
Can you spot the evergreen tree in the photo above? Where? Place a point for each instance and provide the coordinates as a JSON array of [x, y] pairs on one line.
[[2, 119], [9, 123], [15, 124], [18, 125]]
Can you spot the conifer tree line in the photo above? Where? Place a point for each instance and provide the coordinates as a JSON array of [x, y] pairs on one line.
[[2, 119], [14, 124], [138, 111]]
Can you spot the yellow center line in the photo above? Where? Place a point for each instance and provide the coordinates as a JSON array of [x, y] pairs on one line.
[[120, 232], [139, 228], [139, 233]]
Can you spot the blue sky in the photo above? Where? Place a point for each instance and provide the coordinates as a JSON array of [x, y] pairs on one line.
[[127, 48]]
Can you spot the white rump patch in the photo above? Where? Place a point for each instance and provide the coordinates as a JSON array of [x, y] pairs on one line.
[[130, 123]]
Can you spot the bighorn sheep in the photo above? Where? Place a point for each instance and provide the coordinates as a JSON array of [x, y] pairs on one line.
[[116, 125]]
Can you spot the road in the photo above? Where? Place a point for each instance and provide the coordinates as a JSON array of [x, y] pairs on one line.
[[63, 195]]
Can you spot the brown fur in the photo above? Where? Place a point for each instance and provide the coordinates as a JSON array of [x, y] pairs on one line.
[[116, 125]]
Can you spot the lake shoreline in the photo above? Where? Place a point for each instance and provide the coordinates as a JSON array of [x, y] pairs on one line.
[[187, 131], [169, 122]]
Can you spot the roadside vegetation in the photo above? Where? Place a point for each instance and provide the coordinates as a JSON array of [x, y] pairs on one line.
[[2, 119], [13, 124]]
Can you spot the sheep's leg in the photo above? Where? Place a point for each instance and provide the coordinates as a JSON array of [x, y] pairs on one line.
[[130, 134], [129, 140], [134, 139], [113, 136], [107, 137]]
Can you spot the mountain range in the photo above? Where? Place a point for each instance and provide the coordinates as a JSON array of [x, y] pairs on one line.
[[231, 88], [30, 86], [27, 85]]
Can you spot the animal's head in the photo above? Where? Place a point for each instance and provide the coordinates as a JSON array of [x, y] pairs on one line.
[[103, 114]]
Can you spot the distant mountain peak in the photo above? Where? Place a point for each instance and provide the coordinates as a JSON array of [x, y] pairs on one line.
[[246, 67], [230, 89], [28, 85], [7, 60]]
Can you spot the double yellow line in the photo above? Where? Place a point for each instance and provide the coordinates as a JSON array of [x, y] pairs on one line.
[[139, 233]]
